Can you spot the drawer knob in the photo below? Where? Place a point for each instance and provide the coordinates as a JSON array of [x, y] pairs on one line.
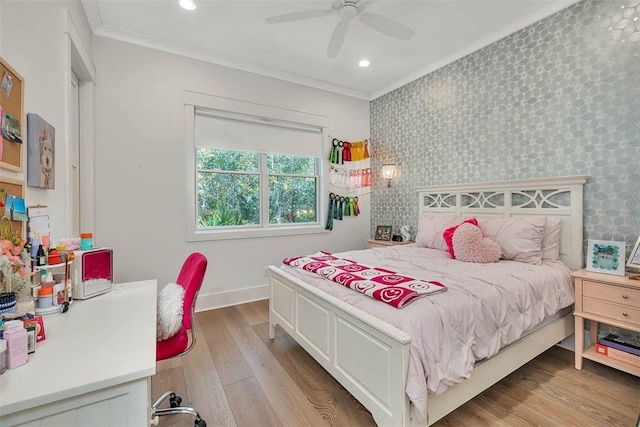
[[625, 314], [625, 296]]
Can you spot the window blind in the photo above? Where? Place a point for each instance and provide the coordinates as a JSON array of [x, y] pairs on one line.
[[229, 131]]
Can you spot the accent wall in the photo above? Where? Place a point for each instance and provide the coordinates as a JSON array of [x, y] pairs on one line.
[[558, 98]]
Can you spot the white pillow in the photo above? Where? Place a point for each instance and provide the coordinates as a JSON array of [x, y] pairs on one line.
[[431, 227], [519, 238], [170, 300]]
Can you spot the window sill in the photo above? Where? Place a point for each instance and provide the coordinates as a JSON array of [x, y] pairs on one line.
[[253, 233]]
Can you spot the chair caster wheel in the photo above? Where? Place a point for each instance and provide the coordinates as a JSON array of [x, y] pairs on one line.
[[175, 400], [200, 423]]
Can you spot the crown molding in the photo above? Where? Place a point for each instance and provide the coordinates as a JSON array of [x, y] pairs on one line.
[[157, 44], [93, 14]]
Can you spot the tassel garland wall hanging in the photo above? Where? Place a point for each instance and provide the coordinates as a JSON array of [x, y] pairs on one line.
[[339, 207], [355, 177], [350, 178], [345, 151]]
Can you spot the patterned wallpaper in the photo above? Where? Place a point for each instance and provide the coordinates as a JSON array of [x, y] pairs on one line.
[[558, 98]]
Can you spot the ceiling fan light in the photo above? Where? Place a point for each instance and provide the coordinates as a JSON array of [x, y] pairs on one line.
[[364, 63], [187, 4], [348, 11]]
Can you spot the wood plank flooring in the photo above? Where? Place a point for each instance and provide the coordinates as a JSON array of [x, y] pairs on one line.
[[237, 376]]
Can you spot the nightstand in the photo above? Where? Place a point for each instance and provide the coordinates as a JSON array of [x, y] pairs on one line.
[[372, 243], [612, 300]]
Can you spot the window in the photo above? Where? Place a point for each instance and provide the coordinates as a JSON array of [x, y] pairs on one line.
[[255, 174], [229, 188]]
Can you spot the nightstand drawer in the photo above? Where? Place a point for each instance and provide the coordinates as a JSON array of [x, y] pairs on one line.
[[619, 312], [610, 293]]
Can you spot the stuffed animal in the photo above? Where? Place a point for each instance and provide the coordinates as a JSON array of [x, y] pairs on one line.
[[405, 231]]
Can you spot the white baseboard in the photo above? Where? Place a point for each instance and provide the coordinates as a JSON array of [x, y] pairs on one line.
[[227, 298]]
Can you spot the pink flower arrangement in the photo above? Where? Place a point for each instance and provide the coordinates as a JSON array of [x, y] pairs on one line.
[[12, 247], [13, 267]]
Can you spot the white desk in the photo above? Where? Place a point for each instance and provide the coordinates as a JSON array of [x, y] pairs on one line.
[[94, 367]]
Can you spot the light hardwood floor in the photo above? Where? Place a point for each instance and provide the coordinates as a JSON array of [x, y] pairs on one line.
[[236, 376]]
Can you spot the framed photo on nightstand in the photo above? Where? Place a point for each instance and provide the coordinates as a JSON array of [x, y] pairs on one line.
[[606, 257], [383, 232], [634, 259]]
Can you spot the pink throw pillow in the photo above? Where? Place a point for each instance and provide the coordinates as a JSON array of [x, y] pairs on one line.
[[470, 246], [519, 238], [448, 234], [551, 238]]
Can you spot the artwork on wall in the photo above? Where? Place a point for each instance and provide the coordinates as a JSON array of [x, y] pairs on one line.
[[14, 208], [606, 257], [12, 102], [40, 153]]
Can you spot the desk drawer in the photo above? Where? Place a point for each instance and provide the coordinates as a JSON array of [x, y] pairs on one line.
[[619, 312], [616, 294]]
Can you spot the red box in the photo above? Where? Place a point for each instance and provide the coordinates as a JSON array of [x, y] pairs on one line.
[[616, 354], [39, 324]]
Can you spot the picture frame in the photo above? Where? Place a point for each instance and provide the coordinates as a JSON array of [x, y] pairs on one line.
[[606, 257], [11, 120], [383, 232], [634, 257], [16, 188], [41, 141]]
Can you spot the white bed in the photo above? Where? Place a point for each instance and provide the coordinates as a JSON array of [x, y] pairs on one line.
[[351, 343]]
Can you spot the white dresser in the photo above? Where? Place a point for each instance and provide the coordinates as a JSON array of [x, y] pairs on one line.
[[94, 367]]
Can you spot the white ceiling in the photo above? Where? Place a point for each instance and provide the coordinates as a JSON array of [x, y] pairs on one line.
[[234, 33]]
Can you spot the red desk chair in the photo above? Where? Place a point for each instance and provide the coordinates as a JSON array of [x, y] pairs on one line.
[[190, 278]]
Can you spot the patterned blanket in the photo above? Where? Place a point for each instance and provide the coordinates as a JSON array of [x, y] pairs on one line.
[[384, 285]]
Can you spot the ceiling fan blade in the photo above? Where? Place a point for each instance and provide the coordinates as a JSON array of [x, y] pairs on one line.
[[337, 39], [298, 16], [386, 26], [362, 4]]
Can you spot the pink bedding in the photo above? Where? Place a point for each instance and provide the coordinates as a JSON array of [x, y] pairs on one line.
[[486, 307]]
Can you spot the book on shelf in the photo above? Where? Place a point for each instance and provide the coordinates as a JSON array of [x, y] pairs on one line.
[[626, 344], [619, 355]]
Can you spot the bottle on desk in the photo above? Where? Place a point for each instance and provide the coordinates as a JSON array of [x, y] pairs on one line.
[[41, 258], [86, 241]]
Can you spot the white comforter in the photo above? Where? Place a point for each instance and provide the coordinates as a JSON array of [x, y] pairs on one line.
[[486, 307]]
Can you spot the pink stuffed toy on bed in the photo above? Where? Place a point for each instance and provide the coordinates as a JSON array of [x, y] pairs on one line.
[[470, 246]]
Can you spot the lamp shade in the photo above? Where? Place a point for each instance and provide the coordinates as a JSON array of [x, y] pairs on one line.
[[389, 171]]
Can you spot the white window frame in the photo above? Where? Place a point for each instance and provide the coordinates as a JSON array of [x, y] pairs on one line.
[[195, 100]]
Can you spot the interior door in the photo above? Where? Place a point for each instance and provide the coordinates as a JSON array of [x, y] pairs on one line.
[[74, 156]]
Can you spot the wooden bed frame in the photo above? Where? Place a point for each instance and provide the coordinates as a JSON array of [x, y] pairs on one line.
[[351, 344]]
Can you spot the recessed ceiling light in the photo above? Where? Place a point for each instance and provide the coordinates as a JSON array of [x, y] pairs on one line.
[[364, 63], [187, 4]]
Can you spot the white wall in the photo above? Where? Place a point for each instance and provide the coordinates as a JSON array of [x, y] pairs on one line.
[[33, 41], [141, 178]]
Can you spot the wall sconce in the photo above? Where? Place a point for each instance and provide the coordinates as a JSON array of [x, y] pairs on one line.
[[389, 172]]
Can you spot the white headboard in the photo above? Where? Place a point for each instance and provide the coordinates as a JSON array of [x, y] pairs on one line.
[[518, 198]]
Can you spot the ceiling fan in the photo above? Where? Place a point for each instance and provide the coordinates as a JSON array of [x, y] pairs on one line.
[[347, 10]]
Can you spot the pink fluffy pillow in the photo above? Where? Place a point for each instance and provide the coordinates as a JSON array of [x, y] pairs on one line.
[[470, 246], [448, 234]]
